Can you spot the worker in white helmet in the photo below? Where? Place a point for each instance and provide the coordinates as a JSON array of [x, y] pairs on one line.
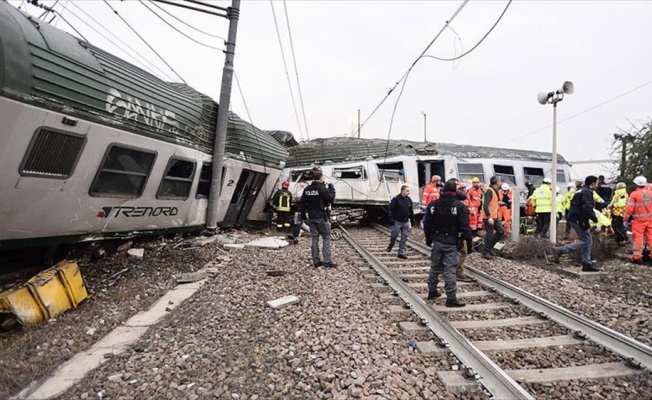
[[639, 211]]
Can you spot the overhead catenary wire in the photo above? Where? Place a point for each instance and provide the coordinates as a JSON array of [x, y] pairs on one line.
[[477, 44], [184, 22], [144, 41], [153, 66], [287, 74], [296, 71], [579, 113], [415, 61], [175, 28]]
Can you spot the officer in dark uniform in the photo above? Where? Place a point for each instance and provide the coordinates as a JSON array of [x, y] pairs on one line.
[[446, 227], [315, 204]]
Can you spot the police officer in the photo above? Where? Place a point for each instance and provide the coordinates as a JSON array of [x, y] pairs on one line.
[[401, 212], [282, 201], [446, 226], [315, 204]]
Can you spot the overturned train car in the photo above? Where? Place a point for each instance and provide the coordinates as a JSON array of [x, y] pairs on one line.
[[93, 147], [367, 173]]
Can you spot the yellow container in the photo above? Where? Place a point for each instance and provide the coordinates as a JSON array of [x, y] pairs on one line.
[[46, 295]]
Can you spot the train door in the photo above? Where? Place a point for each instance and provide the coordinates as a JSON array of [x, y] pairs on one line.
[[426, 169], [245, 194]]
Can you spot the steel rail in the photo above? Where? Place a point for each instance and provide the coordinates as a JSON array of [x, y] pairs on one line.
[[623, 345], [492, 377]]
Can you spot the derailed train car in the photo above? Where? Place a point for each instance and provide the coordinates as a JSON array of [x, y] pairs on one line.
[[367, 173], [93, 147]]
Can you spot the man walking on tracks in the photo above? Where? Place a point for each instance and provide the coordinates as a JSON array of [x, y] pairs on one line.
[[581, 211], [446, 225], [639, 209], [400, 211], [315, 203], [489, 214]]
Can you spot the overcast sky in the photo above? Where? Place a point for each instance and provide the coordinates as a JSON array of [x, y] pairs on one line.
[[349, 54]]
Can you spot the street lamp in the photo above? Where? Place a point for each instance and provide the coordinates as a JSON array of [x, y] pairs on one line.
[[554, 98], [424, 125]]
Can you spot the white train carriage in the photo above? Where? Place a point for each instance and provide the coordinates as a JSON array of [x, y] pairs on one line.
[[367, 173], [94, 147]]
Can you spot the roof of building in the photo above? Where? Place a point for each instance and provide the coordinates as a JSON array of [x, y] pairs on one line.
[[345, 149], [47, 67]]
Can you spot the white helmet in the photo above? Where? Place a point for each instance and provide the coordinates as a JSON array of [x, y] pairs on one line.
[[547, 180], [640, 181], [504, 186], [570, 185], [557, 189]]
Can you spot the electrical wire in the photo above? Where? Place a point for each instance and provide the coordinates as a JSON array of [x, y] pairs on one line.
[[183, 22], [260, 147], [296, 71], [144, 41], [579, 113], [69, 24], [477, 44], [173, 27], [287, 74], [113, 43], [415, 61]]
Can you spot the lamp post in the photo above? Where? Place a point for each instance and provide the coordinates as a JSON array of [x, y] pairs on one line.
[[554, 98], [424, 126]]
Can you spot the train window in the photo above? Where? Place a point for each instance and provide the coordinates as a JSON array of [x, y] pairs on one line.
[[534, 175], [205, 177], [178, 179], [467, 171], [52, 154], [391, 171], [304, 175], [357, 173], [561, 176], [123, 172], [505, 173]]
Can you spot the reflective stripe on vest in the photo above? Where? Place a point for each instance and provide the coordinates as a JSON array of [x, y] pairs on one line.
[[283, 202], [619, 202], [493, 206]]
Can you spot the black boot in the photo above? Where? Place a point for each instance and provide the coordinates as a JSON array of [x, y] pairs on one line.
[[389, 248], [454, 303], [433, 295], [589, 267], [556, 253]]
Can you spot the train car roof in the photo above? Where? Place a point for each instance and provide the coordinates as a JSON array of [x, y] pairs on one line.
[[344, 149], [47, 67]]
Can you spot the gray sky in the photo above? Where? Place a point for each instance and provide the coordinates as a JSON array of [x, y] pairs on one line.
[[350, 53]]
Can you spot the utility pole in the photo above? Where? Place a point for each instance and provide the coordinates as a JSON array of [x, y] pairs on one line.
[[425, 139], [233, 14], [358, 123]]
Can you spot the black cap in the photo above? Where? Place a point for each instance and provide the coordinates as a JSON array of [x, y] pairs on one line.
[[450, 186], [590, 180]]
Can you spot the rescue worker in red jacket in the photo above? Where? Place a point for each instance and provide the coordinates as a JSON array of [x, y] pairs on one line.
[[432, 191], [474, 195], [639, 211], [505, 202]]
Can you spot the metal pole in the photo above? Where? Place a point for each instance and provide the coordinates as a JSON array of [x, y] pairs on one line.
[[553, 208], [222, 117], [623, 160], [424, 128], [358, 123], [516, 213]]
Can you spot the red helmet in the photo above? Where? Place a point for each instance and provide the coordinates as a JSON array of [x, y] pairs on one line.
[[435, 178], [285, 184]]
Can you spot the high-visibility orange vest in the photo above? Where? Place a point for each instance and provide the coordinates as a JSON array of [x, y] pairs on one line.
[[639, 205], [493, 205]]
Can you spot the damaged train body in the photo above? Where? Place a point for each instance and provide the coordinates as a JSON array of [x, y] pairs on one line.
[[93, 147], [367, 173]]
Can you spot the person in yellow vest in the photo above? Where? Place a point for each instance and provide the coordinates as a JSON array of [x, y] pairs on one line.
[[617, 206], [542, 198], [282, 203], [566, 203]]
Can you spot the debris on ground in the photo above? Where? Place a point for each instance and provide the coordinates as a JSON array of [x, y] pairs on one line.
[[137, 253], [283, 301]]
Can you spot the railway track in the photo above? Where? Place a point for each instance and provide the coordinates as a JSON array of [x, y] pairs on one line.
[[513, 344]]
